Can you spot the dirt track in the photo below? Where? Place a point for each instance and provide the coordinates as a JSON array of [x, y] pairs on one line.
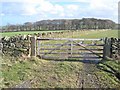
[[88, 78]]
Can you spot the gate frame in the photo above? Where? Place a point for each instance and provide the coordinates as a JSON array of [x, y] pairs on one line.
[[33, 44]]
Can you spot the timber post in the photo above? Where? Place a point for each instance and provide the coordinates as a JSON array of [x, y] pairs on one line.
[[107, 53], [118, 46], [33, 46], [29, 45], [71, 49]]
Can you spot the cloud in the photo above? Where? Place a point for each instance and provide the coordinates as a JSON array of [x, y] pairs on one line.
[[2, 14], [28, 9], [106, 8], [49, 9], [21, 1], [36, 1], [72, 7], [103, 4]]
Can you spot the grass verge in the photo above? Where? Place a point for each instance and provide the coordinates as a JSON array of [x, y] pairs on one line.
[[46, 74], [109, 73]]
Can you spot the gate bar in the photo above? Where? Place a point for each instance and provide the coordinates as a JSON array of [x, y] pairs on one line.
[[71, 39]]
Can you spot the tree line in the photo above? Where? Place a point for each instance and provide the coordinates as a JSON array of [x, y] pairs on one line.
[[62, 24]]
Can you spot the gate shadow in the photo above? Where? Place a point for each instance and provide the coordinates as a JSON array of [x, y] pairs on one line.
[[91, 61]]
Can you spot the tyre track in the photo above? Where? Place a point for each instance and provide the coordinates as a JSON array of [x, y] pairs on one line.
[[87, 78]]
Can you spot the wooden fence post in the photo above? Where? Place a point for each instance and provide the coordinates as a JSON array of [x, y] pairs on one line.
[[38, 47], [104, 48], [29, 46], [111, 48], [33, 46], [71, 48], [107, 48], [119, 46]]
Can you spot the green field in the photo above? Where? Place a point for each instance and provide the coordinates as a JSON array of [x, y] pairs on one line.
[[55, 74], [74, 34], [91, 34], [25, 32], [51, 74]]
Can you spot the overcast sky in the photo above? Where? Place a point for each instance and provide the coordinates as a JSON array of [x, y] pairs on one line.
[[21, 11]]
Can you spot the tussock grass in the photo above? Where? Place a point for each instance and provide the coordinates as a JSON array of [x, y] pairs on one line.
[[110, 72], [46, 73]]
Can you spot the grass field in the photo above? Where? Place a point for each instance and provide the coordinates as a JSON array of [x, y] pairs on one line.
[[53, 74], [46, 74], [75, 34], [25, 32], [50, 74], [89, 34]]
